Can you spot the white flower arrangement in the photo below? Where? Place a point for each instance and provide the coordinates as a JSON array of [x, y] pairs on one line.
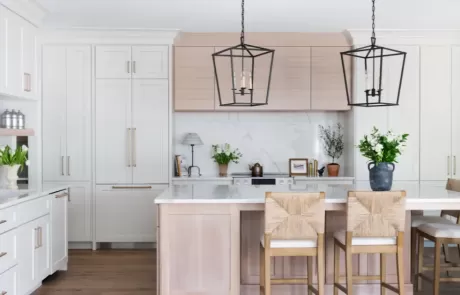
[[382, 147], [222, 154]]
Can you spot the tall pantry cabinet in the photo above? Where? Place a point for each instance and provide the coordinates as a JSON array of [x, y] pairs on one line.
[[67, 130], [132, 133]]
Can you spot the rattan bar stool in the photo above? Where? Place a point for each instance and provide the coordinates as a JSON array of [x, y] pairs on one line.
[[294, 226]]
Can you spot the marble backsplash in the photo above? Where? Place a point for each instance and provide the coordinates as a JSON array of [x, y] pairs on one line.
[[268, 138]]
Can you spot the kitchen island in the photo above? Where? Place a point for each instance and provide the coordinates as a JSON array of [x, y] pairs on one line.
[[209, 237]]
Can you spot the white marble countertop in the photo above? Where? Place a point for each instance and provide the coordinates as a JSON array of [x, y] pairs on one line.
[[10, 198], [202, 178], [324, 178], [419, 197]]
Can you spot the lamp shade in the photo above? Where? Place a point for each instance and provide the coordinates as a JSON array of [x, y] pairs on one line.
[[192, 139]]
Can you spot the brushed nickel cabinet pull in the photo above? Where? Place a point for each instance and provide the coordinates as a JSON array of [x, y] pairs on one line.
[[134, 66], [128, 147], [3, 254], [455, 165], [26, 82], [134, 147], [128, 66], [62, 165], [61, 195], [131, 187], [2, 221], [68, 165], [30, 82], [448, 165], [36, 238], [40, 237]]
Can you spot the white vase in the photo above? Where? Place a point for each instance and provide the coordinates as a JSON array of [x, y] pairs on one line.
[[12, 176]]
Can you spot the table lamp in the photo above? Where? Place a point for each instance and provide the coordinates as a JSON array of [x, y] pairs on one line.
[[192, 139]]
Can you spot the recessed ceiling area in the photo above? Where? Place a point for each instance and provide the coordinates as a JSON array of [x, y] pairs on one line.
[[261, 15]]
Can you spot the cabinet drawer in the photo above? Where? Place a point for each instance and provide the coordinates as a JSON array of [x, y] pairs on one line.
[[34, 209], [8, 250], [8, 219], [8, 282]]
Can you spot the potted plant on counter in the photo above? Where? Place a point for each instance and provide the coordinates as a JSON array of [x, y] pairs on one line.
[[13, 161], [332, 138], [223, 155], [382, 150]]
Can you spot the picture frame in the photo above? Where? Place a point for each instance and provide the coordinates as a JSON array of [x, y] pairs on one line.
[[180, 166], [298, 167]]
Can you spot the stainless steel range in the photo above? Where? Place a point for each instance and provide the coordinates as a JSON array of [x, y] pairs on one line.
[[267, 179]]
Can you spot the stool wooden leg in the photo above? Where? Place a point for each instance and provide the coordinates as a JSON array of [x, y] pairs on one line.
[[309, 274], [336, 267], [413, 247], [321, 266], [437, 267], [349, 266], [262, 268], [267, 268], [421, 248], [400, 267], [383, 272]]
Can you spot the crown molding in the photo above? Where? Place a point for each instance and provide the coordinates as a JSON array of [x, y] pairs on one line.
[[78, 35], [406, 37], [28, 9]]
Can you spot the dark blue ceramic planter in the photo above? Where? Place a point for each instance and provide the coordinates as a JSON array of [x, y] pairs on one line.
[[381, 176]]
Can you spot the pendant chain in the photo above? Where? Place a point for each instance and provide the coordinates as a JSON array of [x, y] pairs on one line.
[[373, 23], [242, 22]]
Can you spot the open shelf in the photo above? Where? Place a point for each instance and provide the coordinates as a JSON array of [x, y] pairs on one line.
[[16, 132]]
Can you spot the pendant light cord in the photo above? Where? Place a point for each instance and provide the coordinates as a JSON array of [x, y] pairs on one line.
[[242, 22], [373, 39]]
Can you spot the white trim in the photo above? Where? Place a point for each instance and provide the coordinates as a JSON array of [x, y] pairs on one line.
[[29, 10], [406, 37], [109, 36]]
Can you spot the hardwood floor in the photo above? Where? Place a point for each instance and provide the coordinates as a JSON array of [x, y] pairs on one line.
[[127, 272]]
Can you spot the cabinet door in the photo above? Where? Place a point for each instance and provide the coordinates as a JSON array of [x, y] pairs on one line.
[[126, 213], [435, 112], [59, 231], [150, 62], [150, 121], [42, 253], [113, 62], [27, 244], [327, 81], [78, 147], [13, 55], [113, 138], [79, 210], [9, 282], [193, 79], [29, 68], [455, 111], [54, 112]]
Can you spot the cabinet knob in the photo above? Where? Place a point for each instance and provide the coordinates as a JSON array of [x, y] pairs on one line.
[[3, 254], [2, 221]]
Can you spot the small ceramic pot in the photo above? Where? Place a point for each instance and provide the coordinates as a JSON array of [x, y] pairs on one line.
[[381, 176], [333, 169], [223, 169]]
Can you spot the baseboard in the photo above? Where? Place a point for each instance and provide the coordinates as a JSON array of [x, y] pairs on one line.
[[127, 246], [358, 289], [80, 245]]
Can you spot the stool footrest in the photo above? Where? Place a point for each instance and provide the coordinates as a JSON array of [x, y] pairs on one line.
[[390, 287]]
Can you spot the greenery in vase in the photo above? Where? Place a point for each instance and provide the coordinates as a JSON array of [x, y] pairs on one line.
[[379, 147], [222, 154], [8, 157], [332, 138]]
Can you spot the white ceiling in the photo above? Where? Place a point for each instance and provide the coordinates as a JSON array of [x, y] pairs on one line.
[[261, 15]]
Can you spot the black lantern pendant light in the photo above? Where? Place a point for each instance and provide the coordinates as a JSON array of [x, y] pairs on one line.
[[234, 70], [373, 57]]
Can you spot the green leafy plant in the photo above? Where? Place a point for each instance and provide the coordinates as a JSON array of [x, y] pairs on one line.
[[8, 157], [222, 154], [379, 147], [332, 138]]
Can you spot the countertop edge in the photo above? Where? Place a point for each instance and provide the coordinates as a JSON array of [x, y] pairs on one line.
[[31, 196]]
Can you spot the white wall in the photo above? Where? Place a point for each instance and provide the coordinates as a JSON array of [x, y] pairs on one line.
[[270, 138]]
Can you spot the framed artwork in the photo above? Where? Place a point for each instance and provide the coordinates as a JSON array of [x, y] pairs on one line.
[[298, 167], [181, 166]]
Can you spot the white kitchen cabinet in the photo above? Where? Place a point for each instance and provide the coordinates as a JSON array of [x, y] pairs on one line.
[[436, 113], [113, 131], [8, 249], [79, 210], [66, 113], [59, 231], [12, 39], [150, 131], [150, 62], [43, 256], [29, 60], [28, 244], [9, 282], [113, 62], [400, 119], [126, 213], [455, 111]]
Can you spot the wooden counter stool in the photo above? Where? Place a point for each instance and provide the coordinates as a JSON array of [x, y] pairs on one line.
[[294, 226], [375, 224]]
